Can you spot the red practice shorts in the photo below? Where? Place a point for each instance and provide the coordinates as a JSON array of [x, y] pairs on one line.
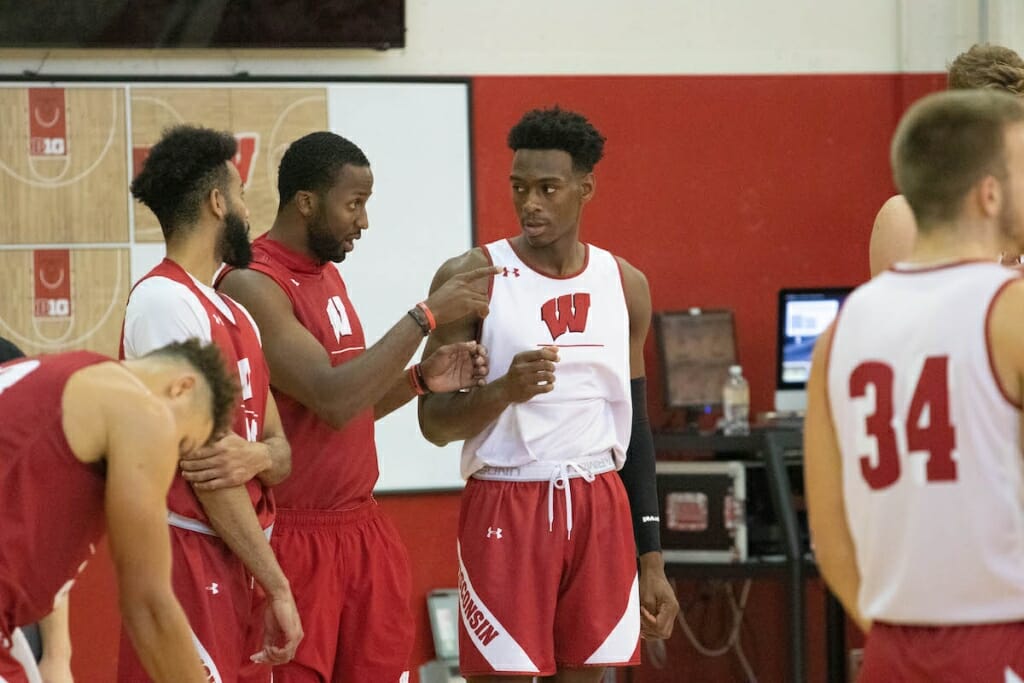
[[224, 607], [990, 653], [535, 598], [350, 575]]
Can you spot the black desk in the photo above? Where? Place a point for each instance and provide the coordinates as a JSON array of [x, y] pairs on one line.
[[794, 565]]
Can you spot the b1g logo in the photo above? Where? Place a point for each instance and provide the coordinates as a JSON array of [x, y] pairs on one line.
[[567, 313], [47, 123], [52, 274]]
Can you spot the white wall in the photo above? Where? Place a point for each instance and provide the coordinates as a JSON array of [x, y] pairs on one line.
[[480, 37]]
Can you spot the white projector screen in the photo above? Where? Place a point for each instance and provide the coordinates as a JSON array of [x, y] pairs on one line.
[[416, 135]]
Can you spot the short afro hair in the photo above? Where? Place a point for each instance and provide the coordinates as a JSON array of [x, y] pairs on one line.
[[312, 163], [559, 129], [180, 171]]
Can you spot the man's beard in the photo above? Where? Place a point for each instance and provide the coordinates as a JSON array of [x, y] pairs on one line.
[[323, 245], [235, 248]]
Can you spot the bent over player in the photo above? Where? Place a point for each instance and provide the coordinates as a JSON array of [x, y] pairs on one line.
[[102, 438]]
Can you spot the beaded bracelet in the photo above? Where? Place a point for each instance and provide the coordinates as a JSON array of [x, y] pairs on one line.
[[421, 319]]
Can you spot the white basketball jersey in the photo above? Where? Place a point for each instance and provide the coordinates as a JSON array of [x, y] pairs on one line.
[[589, 411], [931, 449]]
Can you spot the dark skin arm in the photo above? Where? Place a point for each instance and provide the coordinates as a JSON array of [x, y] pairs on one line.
[[658, 603], [457, 416], [449, 368], [302, 368]]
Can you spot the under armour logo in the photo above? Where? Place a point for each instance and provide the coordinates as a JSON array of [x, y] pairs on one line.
[[213, 588], [294, 281], [494, 532], [217, 319], [505, 272]]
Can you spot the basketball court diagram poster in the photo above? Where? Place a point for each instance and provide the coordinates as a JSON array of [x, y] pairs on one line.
[[72, 240]]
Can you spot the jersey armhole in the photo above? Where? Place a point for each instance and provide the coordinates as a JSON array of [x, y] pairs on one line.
[[988, 344]]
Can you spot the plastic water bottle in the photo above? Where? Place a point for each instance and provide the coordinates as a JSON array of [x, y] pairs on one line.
[[736, 403]]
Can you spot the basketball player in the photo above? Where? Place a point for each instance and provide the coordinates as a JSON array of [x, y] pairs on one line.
[[220, 508], [346, 561], [83, 438], [547, 555], [51, 636], [983, 66], [913, 432]]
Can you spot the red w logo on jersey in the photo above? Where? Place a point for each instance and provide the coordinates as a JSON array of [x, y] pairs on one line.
[[567, 313]]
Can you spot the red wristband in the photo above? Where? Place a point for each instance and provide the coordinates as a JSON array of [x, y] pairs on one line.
[[416, 380], [430, 316]]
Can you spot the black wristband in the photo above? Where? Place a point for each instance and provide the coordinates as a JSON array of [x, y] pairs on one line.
[[639, 476], [421, 319]]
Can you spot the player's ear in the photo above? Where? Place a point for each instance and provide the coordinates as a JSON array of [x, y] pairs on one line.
[[182, 385], [988, 193], [588, 184], [306, 202], [218, 203]]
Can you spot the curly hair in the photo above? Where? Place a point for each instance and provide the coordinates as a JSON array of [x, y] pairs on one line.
[[179, 173], [208, 361], [559, 129], [988, 66], [312, 163]]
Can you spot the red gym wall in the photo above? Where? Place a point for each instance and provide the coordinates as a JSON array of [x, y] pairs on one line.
[[722, 189]]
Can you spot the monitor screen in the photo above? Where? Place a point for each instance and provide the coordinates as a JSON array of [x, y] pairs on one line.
[[695, 349], [803, 315]]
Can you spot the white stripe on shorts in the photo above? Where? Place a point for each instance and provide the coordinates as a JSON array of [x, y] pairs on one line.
[[207, 660], [492, 640], [620, 644]]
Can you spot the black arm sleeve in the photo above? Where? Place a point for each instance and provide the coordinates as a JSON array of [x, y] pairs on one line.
[[638, 475]]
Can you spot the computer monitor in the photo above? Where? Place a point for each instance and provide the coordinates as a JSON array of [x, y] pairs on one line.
[[695, 349], [803, 314]]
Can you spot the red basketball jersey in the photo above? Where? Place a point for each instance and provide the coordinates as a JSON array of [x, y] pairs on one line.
[[239, 343], [333, 469], [52, 502]]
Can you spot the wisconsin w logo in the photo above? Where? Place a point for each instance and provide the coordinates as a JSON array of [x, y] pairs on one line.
[[567, 313]]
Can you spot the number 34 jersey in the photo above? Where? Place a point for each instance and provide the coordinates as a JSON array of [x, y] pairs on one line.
[[931, 447]]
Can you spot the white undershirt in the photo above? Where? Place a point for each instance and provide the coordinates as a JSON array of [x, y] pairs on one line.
[[161, 311]]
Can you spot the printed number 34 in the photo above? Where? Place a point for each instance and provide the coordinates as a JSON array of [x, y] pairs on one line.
[[937, 438]]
